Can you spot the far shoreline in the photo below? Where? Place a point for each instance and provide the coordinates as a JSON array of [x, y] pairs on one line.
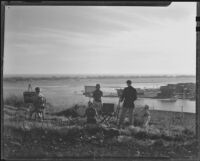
[[9, 77]]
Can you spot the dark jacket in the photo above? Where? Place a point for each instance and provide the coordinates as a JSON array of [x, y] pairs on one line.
[[97, 94], [129, 95]]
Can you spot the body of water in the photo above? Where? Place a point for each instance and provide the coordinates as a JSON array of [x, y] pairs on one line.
[[63, 93]]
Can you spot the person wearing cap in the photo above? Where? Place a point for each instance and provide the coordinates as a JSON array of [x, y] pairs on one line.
[[39, 104], [97, 102], [128, 97], [146, 116]]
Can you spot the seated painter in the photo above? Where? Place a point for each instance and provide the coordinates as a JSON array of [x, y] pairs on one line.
[[91, 114], [146, 116], [97, 94], [142, 116]]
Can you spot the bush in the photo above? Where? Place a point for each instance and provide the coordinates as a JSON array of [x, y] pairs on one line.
[[14, 100], [188, 132]]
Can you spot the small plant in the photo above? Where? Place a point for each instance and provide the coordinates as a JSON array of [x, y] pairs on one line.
[[188, 132]]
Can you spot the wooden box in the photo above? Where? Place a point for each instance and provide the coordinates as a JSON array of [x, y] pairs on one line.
[[107, 108]]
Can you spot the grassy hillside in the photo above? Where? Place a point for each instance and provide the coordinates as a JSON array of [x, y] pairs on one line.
[[62, 137]]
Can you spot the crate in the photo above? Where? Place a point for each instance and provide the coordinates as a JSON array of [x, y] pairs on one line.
[[107, 108], [29, 97]]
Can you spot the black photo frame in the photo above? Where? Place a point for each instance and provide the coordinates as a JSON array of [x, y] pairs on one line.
[[105, 3]]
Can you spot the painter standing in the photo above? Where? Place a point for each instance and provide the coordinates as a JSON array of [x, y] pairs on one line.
[[129, 95], [38, 104], [97, 102]]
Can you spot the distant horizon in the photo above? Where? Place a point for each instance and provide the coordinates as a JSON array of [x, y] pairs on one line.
[[99, 75]]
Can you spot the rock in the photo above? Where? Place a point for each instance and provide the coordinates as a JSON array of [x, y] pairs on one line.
[[15, 143], [166, 144], [124, 139], [104, 125], [92, 129], [159, 143], [165, 133], [126, 120], [110, 132], [74, 131], [71, 112], [59, 154], [26, 127], [81, 110], [137, 153], [177, 128], [53, 142], [172, 153], [154, 131], [125, 132], [134, 130]]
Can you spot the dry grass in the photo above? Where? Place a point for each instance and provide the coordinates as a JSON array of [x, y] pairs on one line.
[[37, 139], [59, 136], [14, 100]]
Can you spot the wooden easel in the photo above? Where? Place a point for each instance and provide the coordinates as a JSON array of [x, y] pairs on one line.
[[119, 93], [30, 88], [118, 109]]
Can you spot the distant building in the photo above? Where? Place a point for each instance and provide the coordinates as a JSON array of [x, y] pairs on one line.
[[140, 91], [182, 90], [167, 91], [186, 90]]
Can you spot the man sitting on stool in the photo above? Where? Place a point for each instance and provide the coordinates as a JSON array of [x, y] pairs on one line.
[[91, 114]]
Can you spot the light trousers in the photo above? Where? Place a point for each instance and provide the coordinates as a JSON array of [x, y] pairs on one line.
[[97, 106], [123, 115]]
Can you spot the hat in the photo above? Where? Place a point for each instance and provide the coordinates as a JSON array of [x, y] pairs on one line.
[[37, 89], [128, 82], [97, 85], [146, 107]]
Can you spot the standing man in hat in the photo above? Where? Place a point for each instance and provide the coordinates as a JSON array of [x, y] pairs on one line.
[[97, 94], [129, 95]]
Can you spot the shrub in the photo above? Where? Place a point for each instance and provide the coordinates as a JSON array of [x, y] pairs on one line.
[[14, 100], [188, 132]]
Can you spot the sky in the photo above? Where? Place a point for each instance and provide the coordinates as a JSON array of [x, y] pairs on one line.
[[100, 40]]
